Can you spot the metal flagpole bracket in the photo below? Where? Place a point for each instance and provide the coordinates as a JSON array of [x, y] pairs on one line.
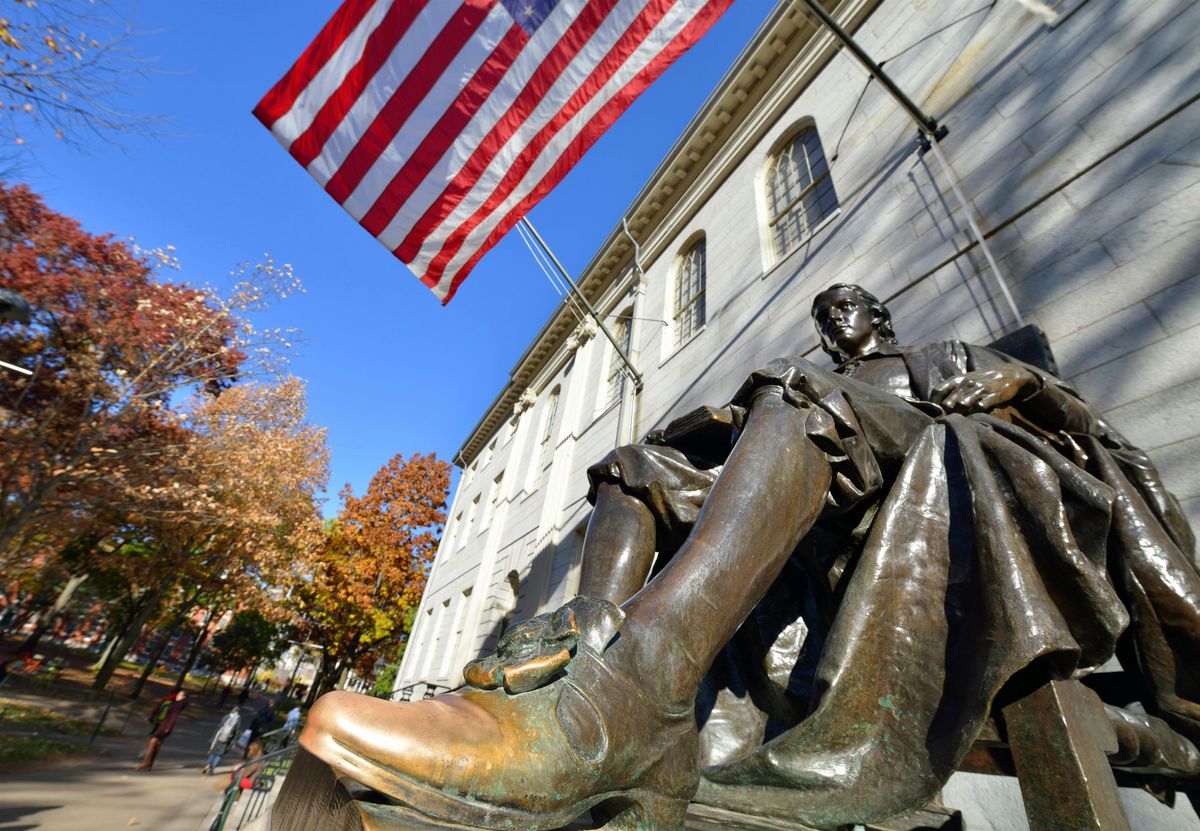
[[638, 384], [927, 123], [929, 134]]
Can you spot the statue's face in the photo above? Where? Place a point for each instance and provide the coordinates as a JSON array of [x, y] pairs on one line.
[[844, 322]]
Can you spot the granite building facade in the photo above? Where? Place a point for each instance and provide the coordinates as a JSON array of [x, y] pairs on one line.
[[1075, 142]]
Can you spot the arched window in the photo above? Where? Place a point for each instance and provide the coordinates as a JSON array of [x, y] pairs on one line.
[[689, 292], [799, 191]]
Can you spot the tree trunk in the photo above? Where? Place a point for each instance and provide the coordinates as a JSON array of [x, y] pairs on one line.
[[140, 618], [176, 622], [111, 636], [150, 665], [315, 688], [327, 679], [250, 675], [48, 617], [194, 652]]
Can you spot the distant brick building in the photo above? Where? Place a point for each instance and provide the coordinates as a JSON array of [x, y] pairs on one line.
[[1076, 142]]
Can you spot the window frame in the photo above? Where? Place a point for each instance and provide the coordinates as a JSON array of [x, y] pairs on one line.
[[796, 208], [546, 441], [489, 510], [614, 382], [698, 242]]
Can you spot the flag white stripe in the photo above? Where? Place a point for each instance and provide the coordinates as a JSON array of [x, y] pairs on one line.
[[669, 27], [608, 33], [421, 34], [292, 124], [493, 108], [531, 96], [427, 113]]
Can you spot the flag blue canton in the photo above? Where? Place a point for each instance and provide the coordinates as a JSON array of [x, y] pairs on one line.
[[529, 14]]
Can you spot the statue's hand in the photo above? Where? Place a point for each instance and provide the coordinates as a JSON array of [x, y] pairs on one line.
[[986, 389]]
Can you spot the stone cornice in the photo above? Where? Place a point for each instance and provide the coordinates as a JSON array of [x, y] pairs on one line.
[[779, 62]]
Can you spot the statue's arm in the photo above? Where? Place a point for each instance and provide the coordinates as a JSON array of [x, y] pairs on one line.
[[996, 380], [1056, 407]]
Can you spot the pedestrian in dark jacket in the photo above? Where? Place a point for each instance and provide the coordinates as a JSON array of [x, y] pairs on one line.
[[262, 721], [163, 720]]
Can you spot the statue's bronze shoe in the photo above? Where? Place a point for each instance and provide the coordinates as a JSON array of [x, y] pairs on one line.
[[490, 758]]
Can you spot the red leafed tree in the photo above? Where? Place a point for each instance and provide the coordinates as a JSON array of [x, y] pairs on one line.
[[372, 567], [110, 345]]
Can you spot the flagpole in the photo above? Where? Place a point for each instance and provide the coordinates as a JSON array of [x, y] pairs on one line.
[[928, 126], [637, 376]]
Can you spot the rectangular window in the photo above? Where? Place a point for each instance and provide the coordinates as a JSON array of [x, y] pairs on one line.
[[454, 636], [454, 533], [472, 511], [622, 332], [546, 446], [493, 501]]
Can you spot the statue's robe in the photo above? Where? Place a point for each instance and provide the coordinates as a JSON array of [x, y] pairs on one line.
[[958, 558]]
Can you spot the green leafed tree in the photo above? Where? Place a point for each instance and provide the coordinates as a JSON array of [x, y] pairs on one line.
[[249, 639]]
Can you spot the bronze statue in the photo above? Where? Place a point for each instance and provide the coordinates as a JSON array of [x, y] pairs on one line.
[[852, 568]]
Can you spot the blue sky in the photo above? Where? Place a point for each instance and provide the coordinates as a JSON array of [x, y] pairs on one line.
[[389, 369]]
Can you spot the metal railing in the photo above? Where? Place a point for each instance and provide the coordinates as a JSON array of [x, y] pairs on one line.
[[405, 693], [278, 739], [272, 768]]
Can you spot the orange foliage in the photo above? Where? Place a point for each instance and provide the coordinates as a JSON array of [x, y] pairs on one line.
[[375, 558]]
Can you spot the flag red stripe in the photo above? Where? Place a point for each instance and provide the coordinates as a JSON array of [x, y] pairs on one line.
[[603, 119], [409, 178], [379, 46], [283, 95], [410, 93], [452, 122], [628, 43]]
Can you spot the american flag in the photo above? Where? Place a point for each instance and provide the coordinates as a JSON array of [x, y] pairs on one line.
[[437, 125]]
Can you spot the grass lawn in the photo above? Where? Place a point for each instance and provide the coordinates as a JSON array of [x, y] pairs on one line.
[[36, 719], [20, 751]]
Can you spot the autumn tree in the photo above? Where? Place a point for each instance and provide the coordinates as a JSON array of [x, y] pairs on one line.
[[373, 562], [110, 345], [234, 522], [155, 441], [249, 638]]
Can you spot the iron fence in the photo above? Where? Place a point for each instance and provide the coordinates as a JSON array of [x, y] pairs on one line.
[[269, 770]]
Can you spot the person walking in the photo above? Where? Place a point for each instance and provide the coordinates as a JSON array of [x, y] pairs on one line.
[[226, 732], [249, 771], [163, 718], [292, 722], [263, 720]]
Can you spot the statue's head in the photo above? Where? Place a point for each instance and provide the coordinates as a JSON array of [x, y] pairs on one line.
[[849, 319]]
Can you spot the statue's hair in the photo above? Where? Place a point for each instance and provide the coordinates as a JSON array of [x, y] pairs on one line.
[[881, 318]]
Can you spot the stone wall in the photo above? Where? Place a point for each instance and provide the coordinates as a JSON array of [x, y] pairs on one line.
[[1078, 147]]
